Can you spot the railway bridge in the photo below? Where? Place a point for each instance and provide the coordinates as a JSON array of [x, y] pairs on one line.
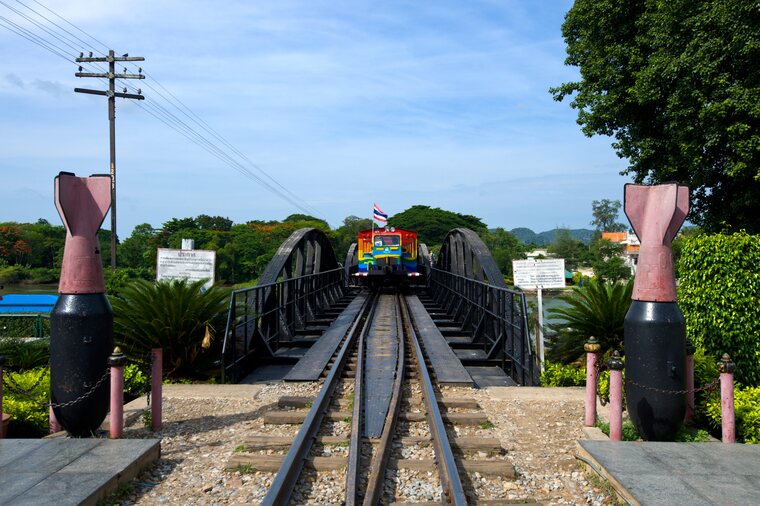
[[306, 302]]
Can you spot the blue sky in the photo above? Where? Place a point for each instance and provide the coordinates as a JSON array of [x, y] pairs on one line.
[[344, 103]]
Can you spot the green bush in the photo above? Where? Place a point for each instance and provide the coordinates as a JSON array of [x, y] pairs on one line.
[[597, 309], [175, 316], [136, 382], [718, 294], [24, 355], [563, 375], [628, 430], [747, 412], [12, 274], [43, 275], [28, 417]]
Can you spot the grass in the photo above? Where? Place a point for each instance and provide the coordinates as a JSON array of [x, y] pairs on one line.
[[121, 493], [245, 469], [628, 432], [488, 424], [240, 448], [599, 482], [684, 435], [347, 419]]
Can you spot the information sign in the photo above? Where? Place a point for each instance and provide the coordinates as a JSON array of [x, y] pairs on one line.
[[186, 264], [533, 274]]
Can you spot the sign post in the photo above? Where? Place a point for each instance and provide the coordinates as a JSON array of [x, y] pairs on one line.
[[536, 275]]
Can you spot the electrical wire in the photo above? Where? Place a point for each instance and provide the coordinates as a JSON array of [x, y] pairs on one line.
[[153, 107]]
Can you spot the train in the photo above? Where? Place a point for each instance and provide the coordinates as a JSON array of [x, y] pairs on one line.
[[387, 257]]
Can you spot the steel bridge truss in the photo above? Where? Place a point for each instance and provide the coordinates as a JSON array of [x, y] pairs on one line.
[[301, 281], [468, 284]]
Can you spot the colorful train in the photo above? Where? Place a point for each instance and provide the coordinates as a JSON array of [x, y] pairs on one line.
[[387, 256]]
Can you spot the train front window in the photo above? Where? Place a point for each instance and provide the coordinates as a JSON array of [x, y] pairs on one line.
[[387, 240]]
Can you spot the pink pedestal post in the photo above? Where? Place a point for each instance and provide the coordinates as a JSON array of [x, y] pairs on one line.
[[2, 425], [156, 386], [689, 381], [53, 423], [592, 348], [728, 422], [116, 422], [616, 397]]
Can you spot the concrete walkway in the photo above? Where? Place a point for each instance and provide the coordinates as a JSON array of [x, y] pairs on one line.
[[65, 471], [653, 473]]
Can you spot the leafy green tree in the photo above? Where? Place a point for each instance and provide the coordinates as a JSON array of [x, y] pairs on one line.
[[718, 294], [605, 214], [343, 236], [173, 315], [598, 309], [135, 251], [307, 218], [676, 84], [432, 224], [607, 261], [504, 247], [564, 246], [219, 223]]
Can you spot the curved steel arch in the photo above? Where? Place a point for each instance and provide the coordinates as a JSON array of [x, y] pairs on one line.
[[306, 251], [464, 253]]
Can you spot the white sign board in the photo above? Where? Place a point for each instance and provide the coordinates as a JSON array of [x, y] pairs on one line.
[[186, 264], [549, 273]]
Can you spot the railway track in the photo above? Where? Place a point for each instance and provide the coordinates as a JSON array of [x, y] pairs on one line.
[[379, 415]]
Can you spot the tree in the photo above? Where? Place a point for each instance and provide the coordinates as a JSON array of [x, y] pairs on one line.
[[564, 246], [605, 214], [432, 224], [343, 236], [134, 251], [676, 84], [504, 247], [607, 261]]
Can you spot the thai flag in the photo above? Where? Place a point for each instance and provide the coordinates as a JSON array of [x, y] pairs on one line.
[[379, 215]]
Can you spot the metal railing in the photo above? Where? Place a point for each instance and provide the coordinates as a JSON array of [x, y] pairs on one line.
[[262, 318], [496, 317]]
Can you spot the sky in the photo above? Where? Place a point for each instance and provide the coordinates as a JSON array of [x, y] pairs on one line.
[[343, 104]]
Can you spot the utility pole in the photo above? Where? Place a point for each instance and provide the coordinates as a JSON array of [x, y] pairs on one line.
[[112, 76]]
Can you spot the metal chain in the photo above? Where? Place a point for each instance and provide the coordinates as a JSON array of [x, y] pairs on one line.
[[710, 387], [599, 395], [15, 387]]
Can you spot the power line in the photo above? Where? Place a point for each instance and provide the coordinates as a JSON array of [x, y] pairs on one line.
[[158, 111]]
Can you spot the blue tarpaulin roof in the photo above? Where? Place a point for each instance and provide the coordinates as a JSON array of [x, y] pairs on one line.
[[27, 303]]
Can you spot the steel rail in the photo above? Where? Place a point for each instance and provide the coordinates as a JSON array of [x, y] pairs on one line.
[[287, 476], [376, 479], [451, 483], [354, 448]]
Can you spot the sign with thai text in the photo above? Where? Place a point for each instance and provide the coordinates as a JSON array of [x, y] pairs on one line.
[[186, 264], [533, 274]]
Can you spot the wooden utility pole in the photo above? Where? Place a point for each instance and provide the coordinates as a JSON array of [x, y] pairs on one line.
[[112, 76]]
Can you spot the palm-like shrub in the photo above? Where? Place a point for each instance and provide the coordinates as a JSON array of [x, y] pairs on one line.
[[173, 315], [597, 309]]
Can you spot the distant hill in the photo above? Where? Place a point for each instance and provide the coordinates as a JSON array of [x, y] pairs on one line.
[[527, 236]]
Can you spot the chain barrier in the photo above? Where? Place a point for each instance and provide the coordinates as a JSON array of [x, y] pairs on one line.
[[707, 388], [13, 386], [710, 387], [599, 395]]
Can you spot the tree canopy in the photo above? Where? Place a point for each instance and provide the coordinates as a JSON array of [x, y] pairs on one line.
[[605, 213], [678, 85], [432, 224]]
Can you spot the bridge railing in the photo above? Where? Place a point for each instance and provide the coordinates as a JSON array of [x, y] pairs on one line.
[[262, 318], [497, 318]]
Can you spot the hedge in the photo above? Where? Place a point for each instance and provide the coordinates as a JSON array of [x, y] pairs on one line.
[[718, 294]]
